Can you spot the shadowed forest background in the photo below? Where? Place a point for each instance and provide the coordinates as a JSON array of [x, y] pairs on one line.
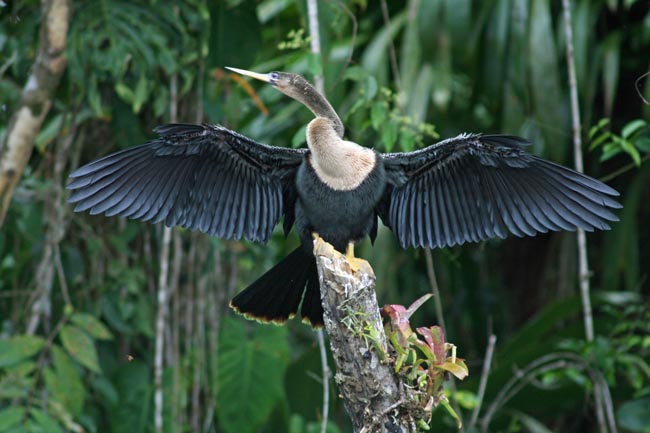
[[79, 293]]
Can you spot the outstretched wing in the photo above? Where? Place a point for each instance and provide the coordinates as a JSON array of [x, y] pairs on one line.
[[202, 177], [472, 188]]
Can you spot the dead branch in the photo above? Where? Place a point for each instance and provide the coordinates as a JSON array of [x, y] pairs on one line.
[[369, 387], [36, 98]]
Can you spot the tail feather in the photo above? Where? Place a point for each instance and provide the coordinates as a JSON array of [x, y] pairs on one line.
[[276, 295], [312, 307]]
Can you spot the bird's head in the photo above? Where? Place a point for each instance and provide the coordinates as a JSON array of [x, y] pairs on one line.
[[292, 85], [296, 87]]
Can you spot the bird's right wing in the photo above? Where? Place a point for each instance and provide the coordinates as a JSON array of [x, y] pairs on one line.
[[201, 177], [472, 188]]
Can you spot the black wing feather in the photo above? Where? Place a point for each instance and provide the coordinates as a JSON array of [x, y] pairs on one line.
[[202, 177], [472, 188]]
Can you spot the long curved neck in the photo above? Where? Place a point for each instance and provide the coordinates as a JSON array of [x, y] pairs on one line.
[[342, 165], [319, 106]]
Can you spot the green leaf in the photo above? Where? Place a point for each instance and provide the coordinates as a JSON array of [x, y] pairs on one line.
[[378, 114], [606, 135], [249, 380], [10, 416], [124, 92], [629, 148], [268, 9], [64, 382], [355, 73], [374, 59], [91, 325], [46, 422], [632, 127], [643, 144], [611, 67], [299, 137], [545, 73], [370, 87], [532, 425], [420, 96], [80, 346], [21, 369], [48, 132], [609, 152], [132, 411], [141, 93], [15, 349], [466, 399], [389, 135], [635, 415], [458, 369]]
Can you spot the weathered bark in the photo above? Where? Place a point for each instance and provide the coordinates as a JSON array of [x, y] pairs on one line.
[[35, 102], [369, 387]]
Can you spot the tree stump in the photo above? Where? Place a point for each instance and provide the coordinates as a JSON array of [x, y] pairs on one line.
[[369, 387]]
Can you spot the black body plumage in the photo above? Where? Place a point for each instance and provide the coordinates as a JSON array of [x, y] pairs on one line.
[[465, 189], [337, 216]]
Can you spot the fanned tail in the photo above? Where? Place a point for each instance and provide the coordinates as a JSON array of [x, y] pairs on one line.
[[276, 295]]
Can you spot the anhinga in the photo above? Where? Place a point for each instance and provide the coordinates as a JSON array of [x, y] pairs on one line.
[[465, 189]]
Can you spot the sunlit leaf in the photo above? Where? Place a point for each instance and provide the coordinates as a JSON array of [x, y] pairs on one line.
[[64, 382], [91, 325], [45, 421], [375, 55], [633, 127], [457, 369], [80, 346], [48, 133], [15, 349]]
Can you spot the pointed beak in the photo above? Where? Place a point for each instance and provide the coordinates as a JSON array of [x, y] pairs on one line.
[[262, 77]]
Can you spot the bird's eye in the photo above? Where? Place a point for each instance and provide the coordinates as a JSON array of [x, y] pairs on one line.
[[274, 75]]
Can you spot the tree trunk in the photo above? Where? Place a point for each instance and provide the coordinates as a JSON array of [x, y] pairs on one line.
[[369, 387], [35, 101]]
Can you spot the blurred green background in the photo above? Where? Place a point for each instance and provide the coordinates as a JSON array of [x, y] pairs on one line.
[[78, 293]]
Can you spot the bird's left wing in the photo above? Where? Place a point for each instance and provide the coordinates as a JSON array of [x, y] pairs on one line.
[[472, 188], [202, 177]]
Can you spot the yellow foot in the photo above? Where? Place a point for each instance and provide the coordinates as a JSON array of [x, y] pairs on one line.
[[356, 264]]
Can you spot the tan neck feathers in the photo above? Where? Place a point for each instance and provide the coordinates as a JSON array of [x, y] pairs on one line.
[[340, 164]]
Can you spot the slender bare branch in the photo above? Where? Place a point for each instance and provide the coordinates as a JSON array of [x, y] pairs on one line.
[[36, 98], [163, 290], [577, 154], [487, 362], [637, 84], [583, 263], [391, 46], [161, 318], [440, 317], [314, 33]]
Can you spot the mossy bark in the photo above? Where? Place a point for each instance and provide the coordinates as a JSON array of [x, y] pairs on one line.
[[368, 385]]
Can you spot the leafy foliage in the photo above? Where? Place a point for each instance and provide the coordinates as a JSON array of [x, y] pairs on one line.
[[422, 376], [250, 373]]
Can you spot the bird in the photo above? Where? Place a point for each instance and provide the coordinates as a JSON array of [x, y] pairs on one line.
[[205, 177]]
